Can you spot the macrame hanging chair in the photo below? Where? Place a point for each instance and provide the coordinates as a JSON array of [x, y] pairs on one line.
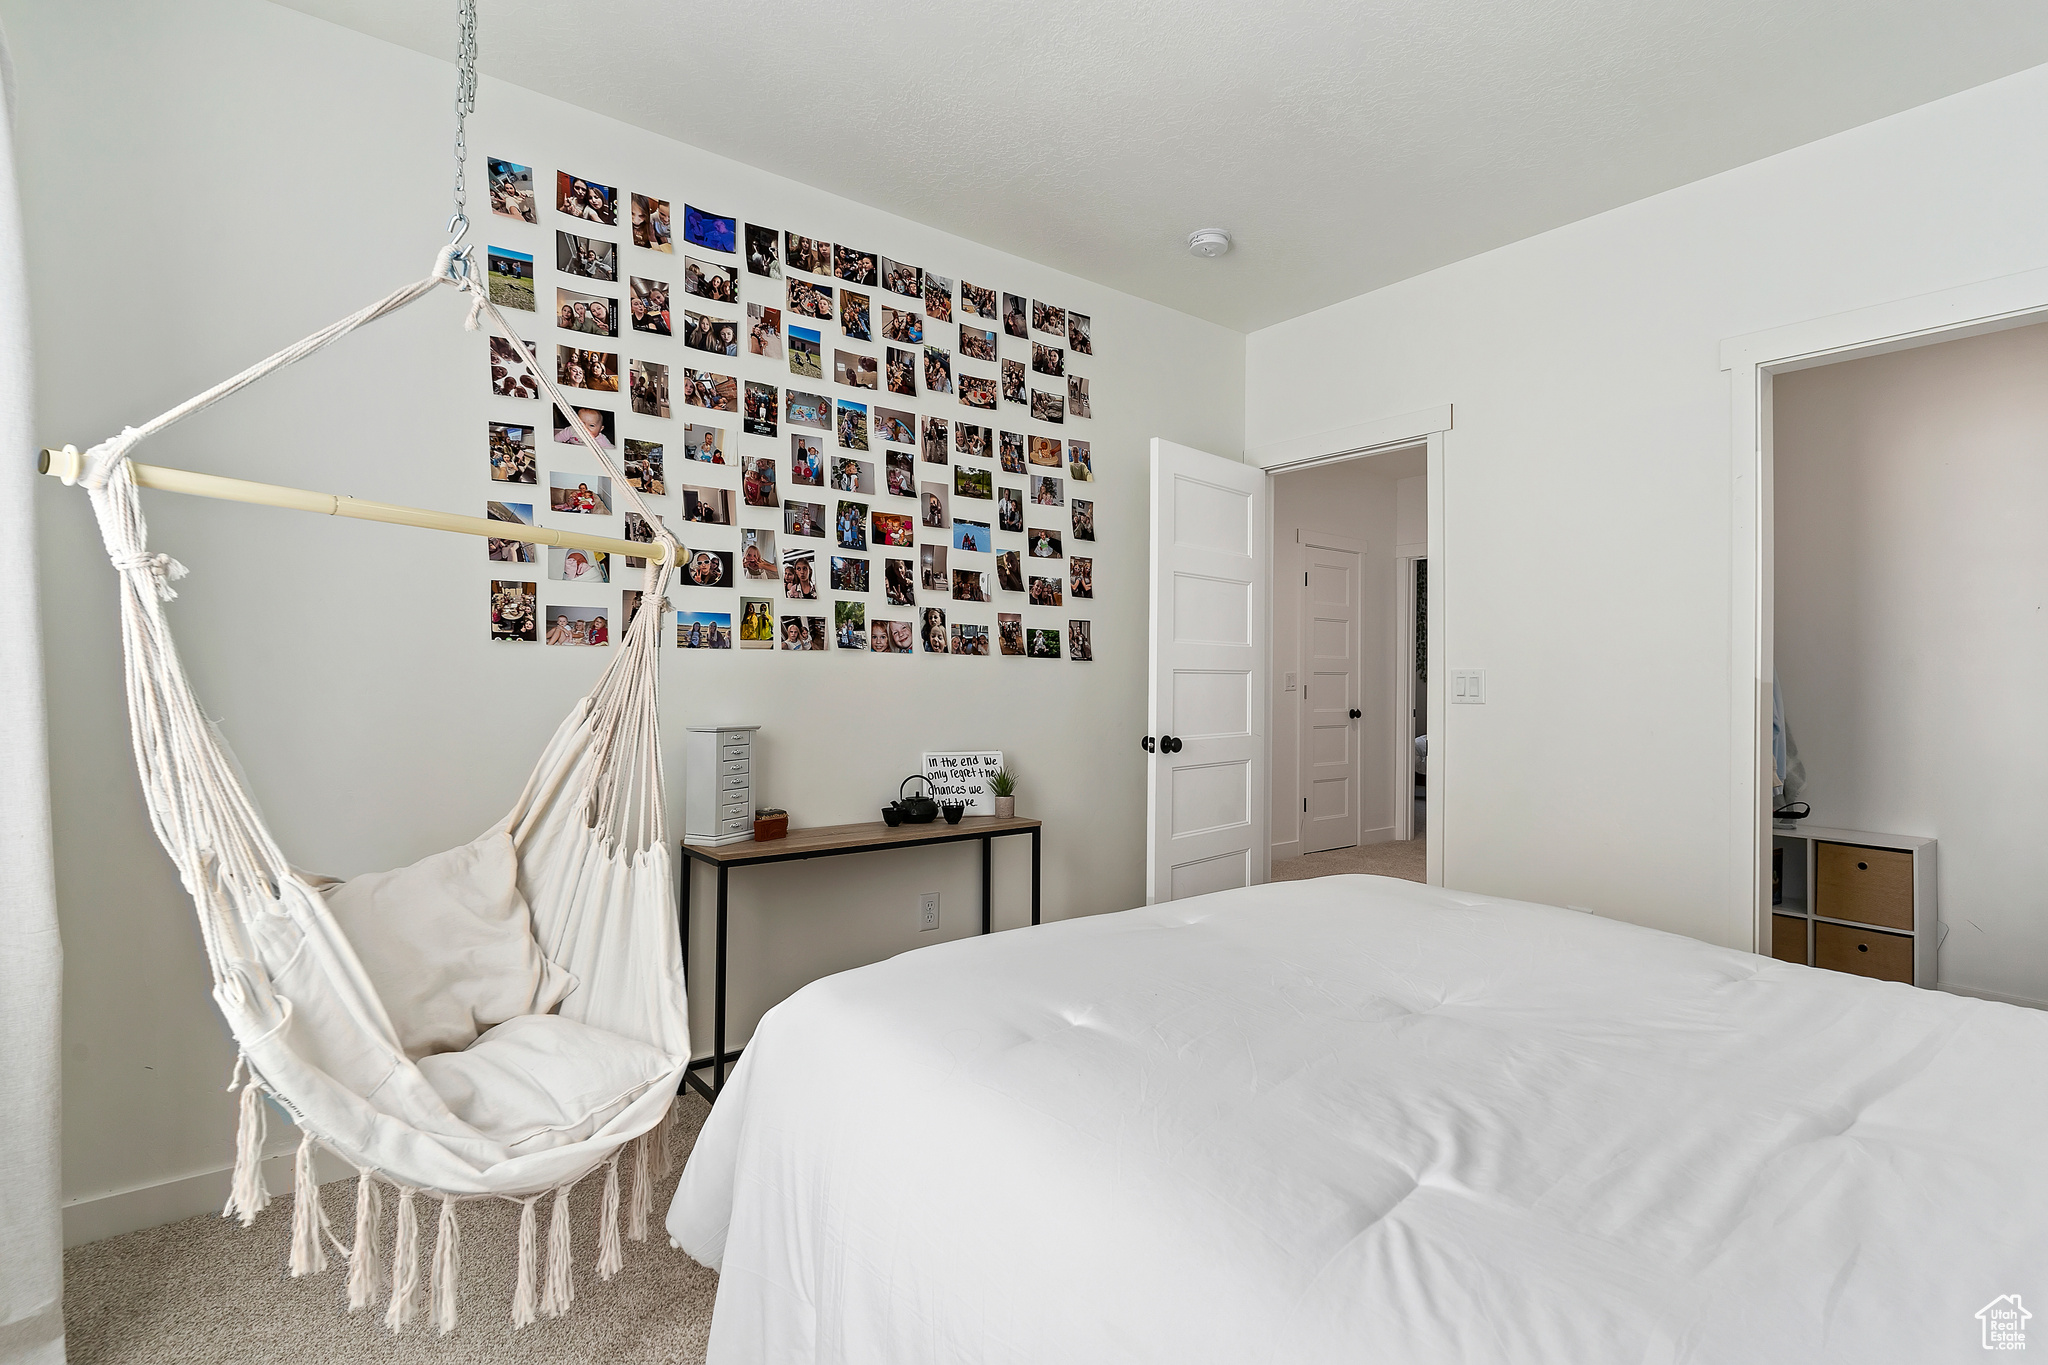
[[497, 1021]]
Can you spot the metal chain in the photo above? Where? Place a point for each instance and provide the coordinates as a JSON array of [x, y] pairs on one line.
[[465, 105]]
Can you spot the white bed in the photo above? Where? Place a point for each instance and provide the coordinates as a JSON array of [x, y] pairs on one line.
[[1356, 1119]]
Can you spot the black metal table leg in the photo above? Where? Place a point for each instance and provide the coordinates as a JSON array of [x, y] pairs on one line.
[[689, 867], [718, 1003], [1034, 876], [986, 909], [683, 920]]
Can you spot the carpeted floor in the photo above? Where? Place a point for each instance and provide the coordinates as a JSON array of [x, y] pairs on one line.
[[208, 1291], [1402, 859]]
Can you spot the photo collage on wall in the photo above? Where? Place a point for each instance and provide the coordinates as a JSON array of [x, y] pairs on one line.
[[857, 452]]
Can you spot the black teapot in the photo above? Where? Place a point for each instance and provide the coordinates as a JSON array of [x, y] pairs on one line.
[[916, 810]]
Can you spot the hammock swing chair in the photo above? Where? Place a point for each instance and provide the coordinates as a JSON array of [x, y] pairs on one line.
[[498, 1021]]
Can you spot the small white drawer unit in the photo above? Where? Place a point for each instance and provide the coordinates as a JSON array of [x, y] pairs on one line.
[[719, 784]]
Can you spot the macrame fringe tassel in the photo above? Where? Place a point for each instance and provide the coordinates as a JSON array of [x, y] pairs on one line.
[[664, 1134], [560, 1290], [610, 1259], [405, 1265], [309, 1219], [362, 1259], [447, 1266], [522, 1292], [248, 1195], [643, 1193]]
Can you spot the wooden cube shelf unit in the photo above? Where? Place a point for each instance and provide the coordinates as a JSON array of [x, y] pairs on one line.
[[1853, 901]]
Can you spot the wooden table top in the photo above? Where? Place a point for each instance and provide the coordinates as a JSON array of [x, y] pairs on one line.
[[862, 838]]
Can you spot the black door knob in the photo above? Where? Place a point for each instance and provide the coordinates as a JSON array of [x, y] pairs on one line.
[[1355, 713], [1146, 744], [1178, 746]]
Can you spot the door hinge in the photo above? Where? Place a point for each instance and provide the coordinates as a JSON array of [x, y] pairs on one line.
[[1304, 579], [1304, 805]]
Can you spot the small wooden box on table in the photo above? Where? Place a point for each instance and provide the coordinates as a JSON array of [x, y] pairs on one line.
[[826, 841]]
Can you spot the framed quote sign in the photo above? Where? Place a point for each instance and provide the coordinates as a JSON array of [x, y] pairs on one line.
[[963, 777]]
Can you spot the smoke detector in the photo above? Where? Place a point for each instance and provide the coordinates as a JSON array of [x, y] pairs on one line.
[[1209, 242]]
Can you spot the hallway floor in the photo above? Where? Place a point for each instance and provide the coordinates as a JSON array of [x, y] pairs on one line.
[[1403, 859]]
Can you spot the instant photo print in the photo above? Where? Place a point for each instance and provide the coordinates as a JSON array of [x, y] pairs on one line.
[[711, 280], [757, 553], [757, 414], [712, 231], [764, 254], [515, 611], [717, 392], [653, 225], [511, 189], [586, 199], [592, 314], [704, 630], [757, 623], [506, 551], [757, 481], [806, 353], [511, 375], [510, 276], [586, 257], [803, 519]]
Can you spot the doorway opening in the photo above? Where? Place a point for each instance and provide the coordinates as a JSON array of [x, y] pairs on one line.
[[1757, 362], [1907, 491], [1349, 624]]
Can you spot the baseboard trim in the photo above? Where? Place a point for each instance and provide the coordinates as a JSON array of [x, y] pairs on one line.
[[94, 1217], [2001, 997], [1290, 849]]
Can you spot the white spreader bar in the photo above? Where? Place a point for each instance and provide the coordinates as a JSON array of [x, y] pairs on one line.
[[68, 464]]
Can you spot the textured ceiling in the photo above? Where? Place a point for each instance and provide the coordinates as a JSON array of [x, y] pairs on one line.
[[1345, 143]]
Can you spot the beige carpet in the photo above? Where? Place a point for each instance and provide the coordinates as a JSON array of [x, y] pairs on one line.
[[207, 1290], [1395, 859]]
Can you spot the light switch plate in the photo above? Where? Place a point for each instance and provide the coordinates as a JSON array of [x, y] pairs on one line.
[[1468, 685], [1290, 682]]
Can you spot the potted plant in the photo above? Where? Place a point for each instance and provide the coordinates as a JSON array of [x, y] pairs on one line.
[[1004, 787]]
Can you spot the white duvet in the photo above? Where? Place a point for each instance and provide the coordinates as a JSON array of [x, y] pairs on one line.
[[1361, 1120]]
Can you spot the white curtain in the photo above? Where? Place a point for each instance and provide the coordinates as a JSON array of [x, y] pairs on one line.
[[31, 1238]]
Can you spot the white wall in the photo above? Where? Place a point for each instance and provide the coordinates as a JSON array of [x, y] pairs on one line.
[[1411, 516], [1912, 490], [1587, 554], [207, 181], [1350, 500]]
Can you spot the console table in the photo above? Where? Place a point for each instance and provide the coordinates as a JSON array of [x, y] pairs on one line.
[[826, 841]]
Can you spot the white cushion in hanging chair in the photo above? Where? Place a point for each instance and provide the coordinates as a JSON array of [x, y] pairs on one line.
[[448, 944], [541, 1081]]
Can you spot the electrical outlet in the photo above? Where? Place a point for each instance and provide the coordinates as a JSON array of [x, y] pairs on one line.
[[928, 911]]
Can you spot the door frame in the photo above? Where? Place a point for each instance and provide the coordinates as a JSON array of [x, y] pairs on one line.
[[1351, 545], [1752, 362], [1430, 429], [1404, 697]]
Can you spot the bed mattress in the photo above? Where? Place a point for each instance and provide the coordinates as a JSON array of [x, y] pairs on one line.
[[1360, 1120]]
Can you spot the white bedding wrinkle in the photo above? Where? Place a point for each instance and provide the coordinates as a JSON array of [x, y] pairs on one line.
[[1360, 1120]]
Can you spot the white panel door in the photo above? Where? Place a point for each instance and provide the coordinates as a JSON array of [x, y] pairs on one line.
[[1330, 624], [1206, 822]]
